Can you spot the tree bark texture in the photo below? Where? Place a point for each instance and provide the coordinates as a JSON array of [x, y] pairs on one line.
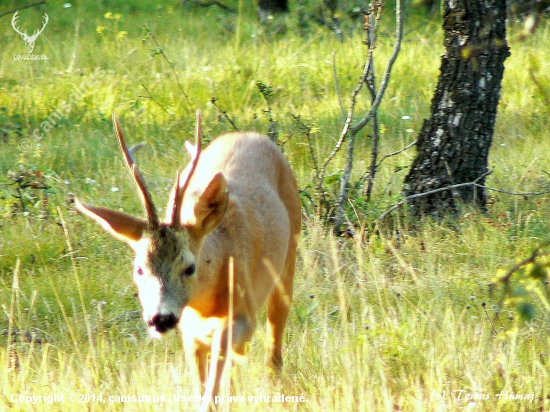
[[453, 144]]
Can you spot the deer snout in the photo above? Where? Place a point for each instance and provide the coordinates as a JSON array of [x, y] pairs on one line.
[[163, 323]]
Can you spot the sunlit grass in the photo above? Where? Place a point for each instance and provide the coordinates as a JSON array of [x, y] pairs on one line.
[[394, 324]]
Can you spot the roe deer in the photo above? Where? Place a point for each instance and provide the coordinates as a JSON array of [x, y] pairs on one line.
[[237, 201]]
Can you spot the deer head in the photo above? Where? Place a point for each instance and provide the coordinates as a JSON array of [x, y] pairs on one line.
[[29, 40], [166, 262]]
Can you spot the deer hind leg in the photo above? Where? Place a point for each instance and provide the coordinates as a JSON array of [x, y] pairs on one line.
[[278, 307]]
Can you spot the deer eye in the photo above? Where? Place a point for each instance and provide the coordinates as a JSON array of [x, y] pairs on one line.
[[189, 270], [139, 271]]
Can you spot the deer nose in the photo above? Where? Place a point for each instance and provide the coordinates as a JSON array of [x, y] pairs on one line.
[[162, 323]]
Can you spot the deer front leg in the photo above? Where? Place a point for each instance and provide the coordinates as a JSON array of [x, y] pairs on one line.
[[217, 363], [196, 358], [241, 332], [201, 356]]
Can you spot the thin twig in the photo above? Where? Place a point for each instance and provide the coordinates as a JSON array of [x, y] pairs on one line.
[[150, 96], [307, 131], [430, 192], [214, 3], [371, 85], [411, 144], [386, 76], [542, 192], [214, 100], [524, 262], [22, 8], [490, 320], [457, 186], [349, 118], [129, 315], [160, 50], [506, 278], [367, 173], [383, 85], [344, 180], [371, 27]]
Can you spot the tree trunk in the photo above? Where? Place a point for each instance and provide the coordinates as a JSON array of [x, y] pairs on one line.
[[453, 144]]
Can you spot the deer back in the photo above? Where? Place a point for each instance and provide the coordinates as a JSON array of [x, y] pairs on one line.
[[262, 211]]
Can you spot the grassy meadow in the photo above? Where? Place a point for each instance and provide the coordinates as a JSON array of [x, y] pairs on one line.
[[402, 320]]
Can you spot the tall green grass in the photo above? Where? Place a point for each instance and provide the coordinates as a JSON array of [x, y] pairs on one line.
[[399, 321]]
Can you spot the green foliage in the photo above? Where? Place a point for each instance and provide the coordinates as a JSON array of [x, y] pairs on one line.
[[10, 126], [540, 79], [527, 283], [266, 91], [30, 186]]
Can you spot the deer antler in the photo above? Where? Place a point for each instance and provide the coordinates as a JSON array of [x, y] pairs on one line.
[[181, 189], [129, 158]]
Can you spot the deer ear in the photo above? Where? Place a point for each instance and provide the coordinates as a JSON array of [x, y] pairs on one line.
[[209, 208], [120, 225]]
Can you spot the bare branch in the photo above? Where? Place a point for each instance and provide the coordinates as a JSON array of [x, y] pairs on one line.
[[349, 118], [542, 192], [160, 50], [411, 144], [214, 3], [430, 192], [371, 24], [150, 97], [347, 123], [214, 101], [371, 85], [353, 130], [536, 253], [386, 76], [23, 8], [307, 131], [457, 186]]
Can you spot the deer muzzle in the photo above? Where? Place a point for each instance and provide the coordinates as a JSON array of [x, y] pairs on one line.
[[162, 323]]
